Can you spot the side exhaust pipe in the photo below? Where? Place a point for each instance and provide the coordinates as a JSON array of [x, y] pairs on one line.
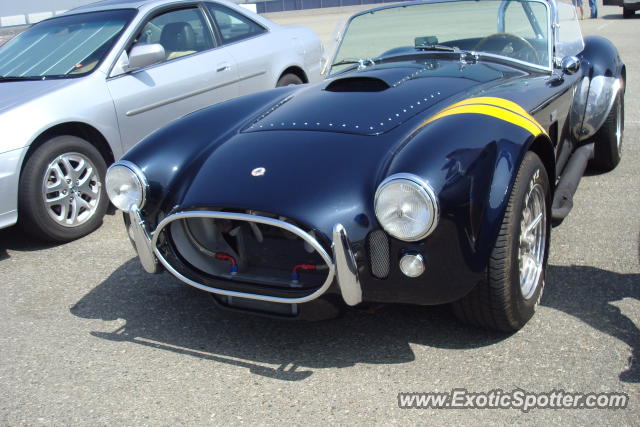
[[563, 198]]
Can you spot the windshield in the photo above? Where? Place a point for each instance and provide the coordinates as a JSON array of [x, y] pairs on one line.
[[513, 29], [63, 47]]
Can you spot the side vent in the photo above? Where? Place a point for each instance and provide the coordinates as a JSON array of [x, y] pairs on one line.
[[357, 84], [379, 254]]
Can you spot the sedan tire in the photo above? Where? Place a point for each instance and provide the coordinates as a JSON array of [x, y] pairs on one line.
[[61, 195], [289, 80], [507, 298]]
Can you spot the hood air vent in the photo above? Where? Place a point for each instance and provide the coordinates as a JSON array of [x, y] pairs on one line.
[[357, 84]]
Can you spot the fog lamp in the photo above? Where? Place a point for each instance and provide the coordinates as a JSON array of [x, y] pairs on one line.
[[412, 265]]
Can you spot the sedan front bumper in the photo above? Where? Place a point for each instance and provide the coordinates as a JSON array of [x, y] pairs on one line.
[[341, 265], [10, 162]]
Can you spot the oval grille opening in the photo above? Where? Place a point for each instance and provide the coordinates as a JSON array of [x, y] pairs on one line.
[[247, 252]]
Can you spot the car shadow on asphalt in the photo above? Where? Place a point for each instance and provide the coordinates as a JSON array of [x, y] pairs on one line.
[[160, 312], [14, 238], [619, 16]]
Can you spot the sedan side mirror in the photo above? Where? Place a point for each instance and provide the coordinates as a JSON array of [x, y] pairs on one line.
[[144, 55], [570, 65]]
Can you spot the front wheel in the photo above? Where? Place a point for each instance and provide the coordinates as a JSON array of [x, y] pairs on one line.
[[61, 195], [506, 299], [627, 13]]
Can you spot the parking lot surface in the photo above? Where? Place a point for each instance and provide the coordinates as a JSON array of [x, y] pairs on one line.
[[88, 338]]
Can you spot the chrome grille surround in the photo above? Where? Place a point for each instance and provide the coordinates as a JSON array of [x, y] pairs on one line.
[[248, 218]]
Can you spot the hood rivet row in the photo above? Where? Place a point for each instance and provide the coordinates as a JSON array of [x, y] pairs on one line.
[[373, 126]]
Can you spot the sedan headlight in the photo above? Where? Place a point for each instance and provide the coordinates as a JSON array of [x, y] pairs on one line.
[[406, 207], [126, 186]]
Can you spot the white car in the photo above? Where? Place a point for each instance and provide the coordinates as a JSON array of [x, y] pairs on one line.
[[78, 90]]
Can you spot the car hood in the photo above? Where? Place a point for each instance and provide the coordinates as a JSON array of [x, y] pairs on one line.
[[16, 93], [312, 157], [374, 101]]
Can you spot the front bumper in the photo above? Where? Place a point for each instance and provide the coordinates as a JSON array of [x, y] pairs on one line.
[[9, 178], [341, 265]]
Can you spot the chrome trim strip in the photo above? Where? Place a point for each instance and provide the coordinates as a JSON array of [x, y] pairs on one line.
[[346, 269], [249, 218], [142, 241], [190, 94]]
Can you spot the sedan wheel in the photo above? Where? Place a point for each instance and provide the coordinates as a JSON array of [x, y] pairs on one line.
[[71, 189], [289, 80], [61, 194]]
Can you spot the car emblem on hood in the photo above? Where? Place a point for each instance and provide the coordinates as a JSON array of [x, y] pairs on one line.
[[258, 171]]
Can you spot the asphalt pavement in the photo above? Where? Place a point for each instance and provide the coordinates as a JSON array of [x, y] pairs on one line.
[[88, 338]]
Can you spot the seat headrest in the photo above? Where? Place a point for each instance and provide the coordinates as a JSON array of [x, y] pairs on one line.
[[177, 36]]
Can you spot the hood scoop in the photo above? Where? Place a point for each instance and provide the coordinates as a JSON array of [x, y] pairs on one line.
[[357, 84]]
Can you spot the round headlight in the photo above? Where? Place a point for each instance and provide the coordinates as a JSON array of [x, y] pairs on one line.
[[126, 186], [406, 207]]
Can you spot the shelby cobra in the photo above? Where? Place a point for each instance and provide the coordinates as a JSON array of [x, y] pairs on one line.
[[427, 168]]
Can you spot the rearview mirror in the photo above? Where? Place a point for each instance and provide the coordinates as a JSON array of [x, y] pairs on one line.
[[145, 55], [570, 65]]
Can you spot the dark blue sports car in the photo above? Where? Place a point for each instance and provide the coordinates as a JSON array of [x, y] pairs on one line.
[[428, 168]]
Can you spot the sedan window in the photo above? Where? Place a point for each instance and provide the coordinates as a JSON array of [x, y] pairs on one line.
[[232, 25], [180, 32]]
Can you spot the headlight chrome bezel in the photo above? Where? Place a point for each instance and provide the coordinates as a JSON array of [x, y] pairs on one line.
[[141, 179], [425, 190]]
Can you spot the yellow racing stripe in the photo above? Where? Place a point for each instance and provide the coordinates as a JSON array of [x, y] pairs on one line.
[[499, 108]]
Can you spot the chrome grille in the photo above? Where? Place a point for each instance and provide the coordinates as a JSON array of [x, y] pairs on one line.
[[186, 249]]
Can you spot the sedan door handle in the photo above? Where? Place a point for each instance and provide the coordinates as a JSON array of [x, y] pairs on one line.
[[223, 67]]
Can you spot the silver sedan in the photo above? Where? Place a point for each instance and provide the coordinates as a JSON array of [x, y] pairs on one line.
[[78, 90]]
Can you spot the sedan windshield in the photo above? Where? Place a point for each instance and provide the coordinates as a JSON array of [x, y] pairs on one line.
[[66, 46], [512, 29]]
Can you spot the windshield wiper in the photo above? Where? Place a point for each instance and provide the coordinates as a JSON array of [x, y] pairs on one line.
[[20, 78], [345, 62], [439, 47]]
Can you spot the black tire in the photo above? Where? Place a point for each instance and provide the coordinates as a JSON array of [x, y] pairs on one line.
[[498, 301], [34, 215], [289, 80], [608, 144], [627, 13]]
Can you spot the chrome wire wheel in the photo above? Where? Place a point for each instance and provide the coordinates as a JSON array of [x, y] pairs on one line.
[[71, 189], [533, 239]]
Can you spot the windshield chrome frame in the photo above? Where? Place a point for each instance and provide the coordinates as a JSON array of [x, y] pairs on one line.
[[552, 26]]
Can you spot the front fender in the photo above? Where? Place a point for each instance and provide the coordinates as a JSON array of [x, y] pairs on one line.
[[471, 161]]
